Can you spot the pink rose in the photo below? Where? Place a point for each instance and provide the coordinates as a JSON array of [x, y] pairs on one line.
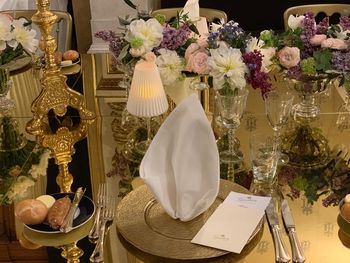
[[191, 49], [150, 57], [334, 43], [202, 42], [289, 57], [198, 62], [316, 40]]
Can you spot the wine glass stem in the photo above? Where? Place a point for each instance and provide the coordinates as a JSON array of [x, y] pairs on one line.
[[276, 135], [231, 165], [231, 172], [231, 133], [149, 131]]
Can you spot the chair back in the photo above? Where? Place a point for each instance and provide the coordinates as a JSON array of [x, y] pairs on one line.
[[62, 29], [210, 13], [325, 9]]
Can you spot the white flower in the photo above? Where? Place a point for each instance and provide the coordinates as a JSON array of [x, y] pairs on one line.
[[170, 66], [40, 168], [268, 53], [137, 52], [26, 38], [150, 31], [216, 26], [19, 188], [5, 31], [343, 34], [295, 21], [226, 65]]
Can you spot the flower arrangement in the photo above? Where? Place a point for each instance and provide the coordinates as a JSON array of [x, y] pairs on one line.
[[237, 58], [309, 50], [153, 39], [16, 37], [229, 55]]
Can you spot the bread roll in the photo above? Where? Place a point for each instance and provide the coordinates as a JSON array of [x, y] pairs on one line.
[[31, 211], [58, 212], [70, 55]]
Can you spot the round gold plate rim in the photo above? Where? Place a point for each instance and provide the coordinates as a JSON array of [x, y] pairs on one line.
[[143, 238]]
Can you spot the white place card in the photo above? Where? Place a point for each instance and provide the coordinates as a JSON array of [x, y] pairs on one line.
[[232, 223], [248, 201]]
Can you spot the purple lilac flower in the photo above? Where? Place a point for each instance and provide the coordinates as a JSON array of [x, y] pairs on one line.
[[116, 42], [345, 22], [106, 35], [332, 199], [294, 72], [120, 166], [257, 78], [308, 31], [341, 60], [260, 79], [230, 30], [253, 60], [233, 35], [322, 27], [212, 39], [174, 38], [295, 192]]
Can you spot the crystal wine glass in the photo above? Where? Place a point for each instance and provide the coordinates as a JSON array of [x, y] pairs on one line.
[[231, 109], [278, 106]]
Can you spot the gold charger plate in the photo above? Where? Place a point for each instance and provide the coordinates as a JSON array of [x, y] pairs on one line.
[[143, 223]]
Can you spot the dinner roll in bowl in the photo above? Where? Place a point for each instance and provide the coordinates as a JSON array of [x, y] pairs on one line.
[[31, 211], [70, 55]]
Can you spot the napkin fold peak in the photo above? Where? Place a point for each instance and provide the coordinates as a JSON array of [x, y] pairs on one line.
[[181, 166]]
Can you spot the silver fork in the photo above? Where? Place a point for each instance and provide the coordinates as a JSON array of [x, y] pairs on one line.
[[101, 201], [107, 219]]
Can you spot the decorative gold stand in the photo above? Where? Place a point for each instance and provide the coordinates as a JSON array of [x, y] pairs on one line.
[[54, 99]]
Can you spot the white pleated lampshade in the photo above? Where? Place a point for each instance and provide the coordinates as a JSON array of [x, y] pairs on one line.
[[147, 96]]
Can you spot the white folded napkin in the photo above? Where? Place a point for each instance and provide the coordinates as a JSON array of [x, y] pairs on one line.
[[181, 166], [192, 9]]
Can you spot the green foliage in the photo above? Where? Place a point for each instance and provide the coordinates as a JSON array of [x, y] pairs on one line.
[[160, 18], [323, 59], [269, 38], [9, 54], [291, 38], [331, 180], [308, 66]]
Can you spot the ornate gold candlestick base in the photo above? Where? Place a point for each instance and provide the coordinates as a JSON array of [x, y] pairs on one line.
[[72, 253], [54, 103]]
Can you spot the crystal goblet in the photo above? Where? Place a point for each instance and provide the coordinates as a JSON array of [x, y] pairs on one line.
[[278, 106], [231, 108]]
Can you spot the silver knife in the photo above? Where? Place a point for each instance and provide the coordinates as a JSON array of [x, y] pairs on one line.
[[280, 250], [297, 252], [67, 224]]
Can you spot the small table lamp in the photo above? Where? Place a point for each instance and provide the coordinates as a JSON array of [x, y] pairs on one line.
[[147, 97]]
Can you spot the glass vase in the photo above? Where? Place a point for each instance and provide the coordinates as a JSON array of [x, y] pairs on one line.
[[306, 146]]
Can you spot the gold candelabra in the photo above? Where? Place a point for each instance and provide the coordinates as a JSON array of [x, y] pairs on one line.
[[53, 102]]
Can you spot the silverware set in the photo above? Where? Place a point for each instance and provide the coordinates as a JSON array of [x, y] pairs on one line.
[[104, 217], [281, 253]]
